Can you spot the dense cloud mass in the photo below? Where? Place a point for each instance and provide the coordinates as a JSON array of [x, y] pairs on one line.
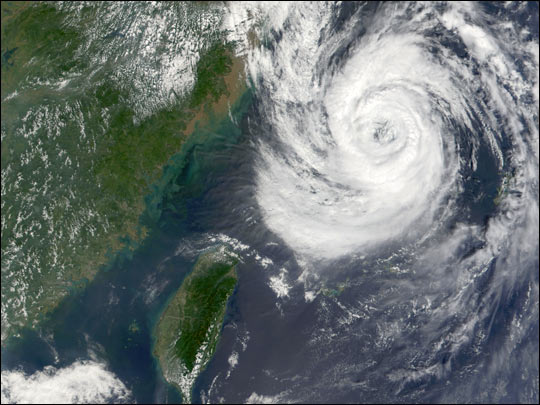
[[376, 123], [82, 382]]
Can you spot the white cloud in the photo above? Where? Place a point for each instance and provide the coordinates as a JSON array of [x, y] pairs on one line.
[[81, 382], [255, 398], [279, 284]]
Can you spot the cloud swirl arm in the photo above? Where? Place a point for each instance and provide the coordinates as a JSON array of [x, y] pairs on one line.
[[378, 140], [397, 143]]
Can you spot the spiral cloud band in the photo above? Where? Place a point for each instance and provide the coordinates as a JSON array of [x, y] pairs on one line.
[[397, 146], [379, 126]]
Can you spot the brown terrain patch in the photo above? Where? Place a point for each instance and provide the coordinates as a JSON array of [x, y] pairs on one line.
[[236, 85]]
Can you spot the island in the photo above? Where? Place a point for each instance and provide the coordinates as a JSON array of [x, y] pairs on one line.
[[189, 328]]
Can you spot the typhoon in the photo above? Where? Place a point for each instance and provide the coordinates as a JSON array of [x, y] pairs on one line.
[[407, 134], [380, 123]]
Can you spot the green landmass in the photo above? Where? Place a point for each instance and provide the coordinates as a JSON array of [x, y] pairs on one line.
[[188, 330], [81, 154], [504, 189], [335, 292]]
